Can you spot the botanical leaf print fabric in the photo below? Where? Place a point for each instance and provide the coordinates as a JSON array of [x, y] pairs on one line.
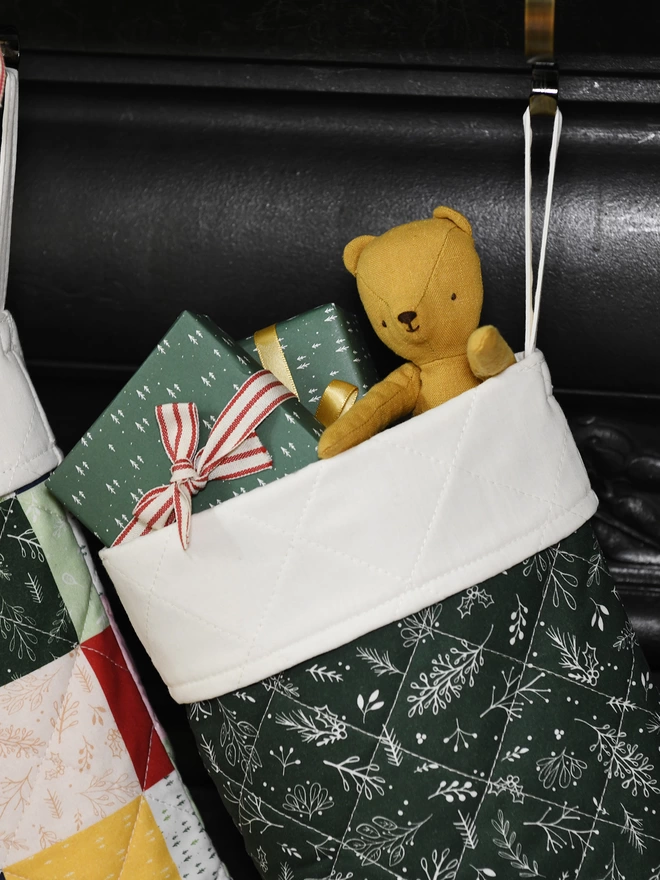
[[87, 788], [510, 731]]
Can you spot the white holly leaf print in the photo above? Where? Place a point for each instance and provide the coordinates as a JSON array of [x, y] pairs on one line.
[[508, 785], [470, 597], [262, 859]]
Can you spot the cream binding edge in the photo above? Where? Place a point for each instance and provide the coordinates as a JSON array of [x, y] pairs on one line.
[[424, 510], [27, 445]]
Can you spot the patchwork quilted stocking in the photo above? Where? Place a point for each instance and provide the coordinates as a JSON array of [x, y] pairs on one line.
[[87, 787]]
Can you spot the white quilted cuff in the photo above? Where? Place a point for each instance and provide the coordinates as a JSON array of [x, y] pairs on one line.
[[27, 444], [304, 565]]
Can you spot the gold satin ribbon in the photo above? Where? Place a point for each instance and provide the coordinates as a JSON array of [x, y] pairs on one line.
[[337, 398], [272, 357]]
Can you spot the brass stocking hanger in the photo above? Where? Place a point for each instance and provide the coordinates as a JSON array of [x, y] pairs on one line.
[[540, 52], [9, 46]]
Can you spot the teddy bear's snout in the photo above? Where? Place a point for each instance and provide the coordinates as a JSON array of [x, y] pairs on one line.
[[408, 318]]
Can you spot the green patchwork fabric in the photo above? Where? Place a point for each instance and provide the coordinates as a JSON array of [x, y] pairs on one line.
[[28, 597], [67, 565], [510, 731]]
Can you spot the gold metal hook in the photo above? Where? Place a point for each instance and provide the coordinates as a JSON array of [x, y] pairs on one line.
[[540, 51], [9, 45]]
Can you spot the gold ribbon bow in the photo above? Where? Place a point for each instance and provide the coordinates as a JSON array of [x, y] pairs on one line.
[[337, 398]]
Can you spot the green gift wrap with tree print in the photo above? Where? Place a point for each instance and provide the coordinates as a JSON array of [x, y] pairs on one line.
[[321, 346], [121, 457]]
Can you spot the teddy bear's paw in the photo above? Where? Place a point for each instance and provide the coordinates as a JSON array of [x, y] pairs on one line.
[[488, 353]]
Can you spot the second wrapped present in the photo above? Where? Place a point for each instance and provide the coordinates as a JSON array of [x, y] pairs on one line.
[[123, 456], [320, 355]]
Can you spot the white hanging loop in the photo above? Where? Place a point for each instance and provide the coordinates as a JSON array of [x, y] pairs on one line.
[[533, 299], [7, 173]]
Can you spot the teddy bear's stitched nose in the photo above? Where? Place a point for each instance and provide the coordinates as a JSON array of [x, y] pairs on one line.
[[407, 317]]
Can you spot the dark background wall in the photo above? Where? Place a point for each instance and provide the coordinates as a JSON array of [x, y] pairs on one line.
[[391, 31]]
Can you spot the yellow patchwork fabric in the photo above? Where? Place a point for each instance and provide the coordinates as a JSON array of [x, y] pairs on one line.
[[127, 844]]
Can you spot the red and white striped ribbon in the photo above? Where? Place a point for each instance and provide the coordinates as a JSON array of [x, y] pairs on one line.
[[233, 450]]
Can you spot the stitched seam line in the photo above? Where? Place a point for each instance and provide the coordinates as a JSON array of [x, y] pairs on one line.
[[252, 751], [498, 484], [447, 767], [509, 716], [373, 608], [441, 494], [607, 774], [373, 755], [293, 542], [560, 468], [26, 461], [147, 640]]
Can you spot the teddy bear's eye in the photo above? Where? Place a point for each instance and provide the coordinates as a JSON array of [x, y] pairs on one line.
[[384, 324], [453, 296]]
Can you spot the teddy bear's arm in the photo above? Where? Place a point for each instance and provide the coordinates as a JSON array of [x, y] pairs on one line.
[[488, 353], [383, 404]]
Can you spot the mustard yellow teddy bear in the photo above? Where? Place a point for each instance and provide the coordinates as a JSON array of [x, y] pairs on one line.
[[421, 287]]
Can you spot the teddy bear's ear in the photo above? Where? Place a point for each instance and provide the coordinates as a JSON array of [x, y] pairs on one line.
[[443, 213], [353, 250]]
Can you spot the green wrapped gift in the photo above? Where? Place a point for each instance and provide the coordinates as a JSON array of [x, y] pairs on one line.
[[122, 456], [320, 355]]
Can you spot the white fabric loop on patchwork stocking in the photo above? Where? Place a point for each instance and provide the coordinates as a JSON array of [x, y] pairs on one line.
[[27, 445]]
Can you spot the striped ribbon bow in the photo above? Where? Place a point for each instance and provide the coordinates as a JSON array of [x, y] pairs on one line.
[[233, 450]]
